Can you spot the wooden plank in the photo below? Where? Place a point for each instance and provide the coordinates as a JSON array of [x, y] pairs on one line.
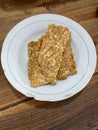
[[76, 10], [32, 103], [45, 115], [19, 112]]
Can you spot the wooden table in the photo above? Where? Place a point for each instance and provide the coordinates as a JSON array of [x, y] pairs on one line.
[[22, 113]]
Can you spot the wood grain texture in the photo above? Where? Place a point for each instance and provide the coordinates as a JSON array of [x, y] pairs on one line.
[[18, 112]]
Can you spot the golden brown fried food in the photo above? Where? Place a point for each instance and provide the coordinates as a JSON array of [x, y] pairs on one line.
[[35, 76], [50, 55], [68, 65]]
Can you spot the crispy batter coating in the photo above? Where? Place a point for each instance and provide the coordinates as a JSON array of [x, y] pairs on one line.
[[68, 65], [35, 76], [51, 57]]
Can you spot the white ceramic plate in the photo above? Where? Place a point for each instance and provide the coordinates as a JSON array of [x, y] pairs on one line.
[[14, 57]]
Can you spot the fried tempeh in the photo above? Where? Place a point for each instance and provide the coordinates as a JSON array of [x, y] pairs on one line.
[[68, 65], [50, 55], [35, 76]]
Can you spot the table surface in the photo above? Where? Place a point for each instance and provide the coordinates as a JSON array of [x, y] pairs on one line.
[[22, 113]]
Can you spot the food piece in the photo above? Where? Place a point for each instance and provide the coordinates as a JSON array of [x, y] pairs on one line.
[[35, 76], [50, 55], [68, 65]]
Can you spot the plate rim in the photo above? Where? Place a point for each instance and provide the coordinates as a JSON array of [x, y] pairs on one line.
[[39, 96]]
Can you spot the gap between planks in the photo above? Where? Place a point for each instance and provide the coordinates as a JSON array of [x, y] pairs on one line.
[[14, 104]]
